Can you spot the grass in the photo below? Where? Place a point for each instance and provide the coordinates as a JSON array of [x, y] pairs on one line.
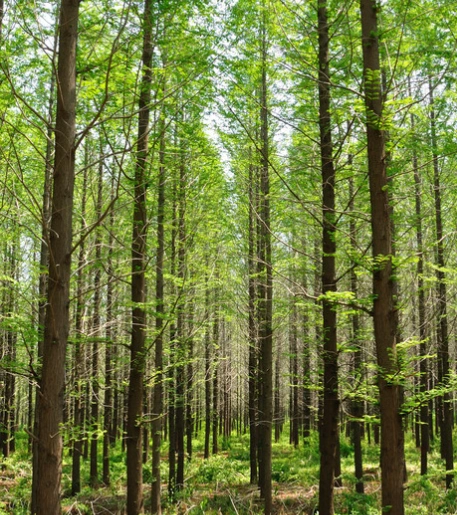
[[220, 485]]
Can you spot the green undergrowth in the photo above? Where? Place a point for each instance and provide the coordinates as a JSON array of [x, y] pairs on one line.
[[220, 485]]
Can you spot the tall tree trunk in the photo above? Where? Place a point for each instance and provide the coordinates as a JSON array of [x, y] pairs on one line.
[[49, 463], [306, 398], [357, 404], [137, 346], [9, 354], [189, 380], [442, 331], [44, 264], [160, 310], [293, 349], [94, 409], [181, 337], [277, 398], [252, 329], [109, 383], [171, 370], [265, 289], [328, 441], [207, 371], [384, 309], [79, 407], [423, 333], [215, 413]]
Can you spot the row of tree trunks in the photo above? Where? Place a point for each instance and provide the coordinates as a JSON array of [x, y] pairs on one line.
[[50, 398]]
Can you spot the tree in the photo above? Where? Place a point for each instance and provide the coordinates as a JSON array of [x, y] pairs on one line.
[[138, 283], [265, 287], [158, 362], [49, 463], [329, 427], [445, 414], [384, 309]]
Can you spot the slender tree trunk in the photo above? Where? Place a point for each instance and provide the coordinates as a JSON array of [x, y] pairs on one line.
[[252, 331], [108, 410], [181, 338], [207, 372], [94, 409], [137, 346], [49, 463], [9, 353], [423, 333], [160, 310], [171, 373], [329, 429], [277, 399], [44, 264], [357, 404], [79, 408], [189, 391], [293, 344], [306, 398], [265, 290], [442, 325], [215, 417], [384, 309]]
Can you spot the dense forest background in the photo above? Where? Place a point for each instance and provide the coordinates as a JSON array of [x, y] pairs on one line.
[[228, 256]]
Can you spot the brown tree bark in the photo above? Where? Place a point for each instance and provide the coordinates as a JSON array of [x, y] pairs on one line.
[[171, 370], [44, 264], [207, 371], [8, 352], [189, 380], [328, 434], [215, 413], [180, 327], [252, 327], [108, 436], [442, 331], [138, 285], [357, 364], [49, 463], [96, 330], [424, 438], [293, 349], [384, 309], [306, 383], [160, 310], [79, 405], [277, 396], [265, 292]]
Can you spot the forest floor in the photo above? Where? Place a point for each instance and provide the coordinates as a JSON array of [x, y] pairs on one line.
[[220, 485]]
